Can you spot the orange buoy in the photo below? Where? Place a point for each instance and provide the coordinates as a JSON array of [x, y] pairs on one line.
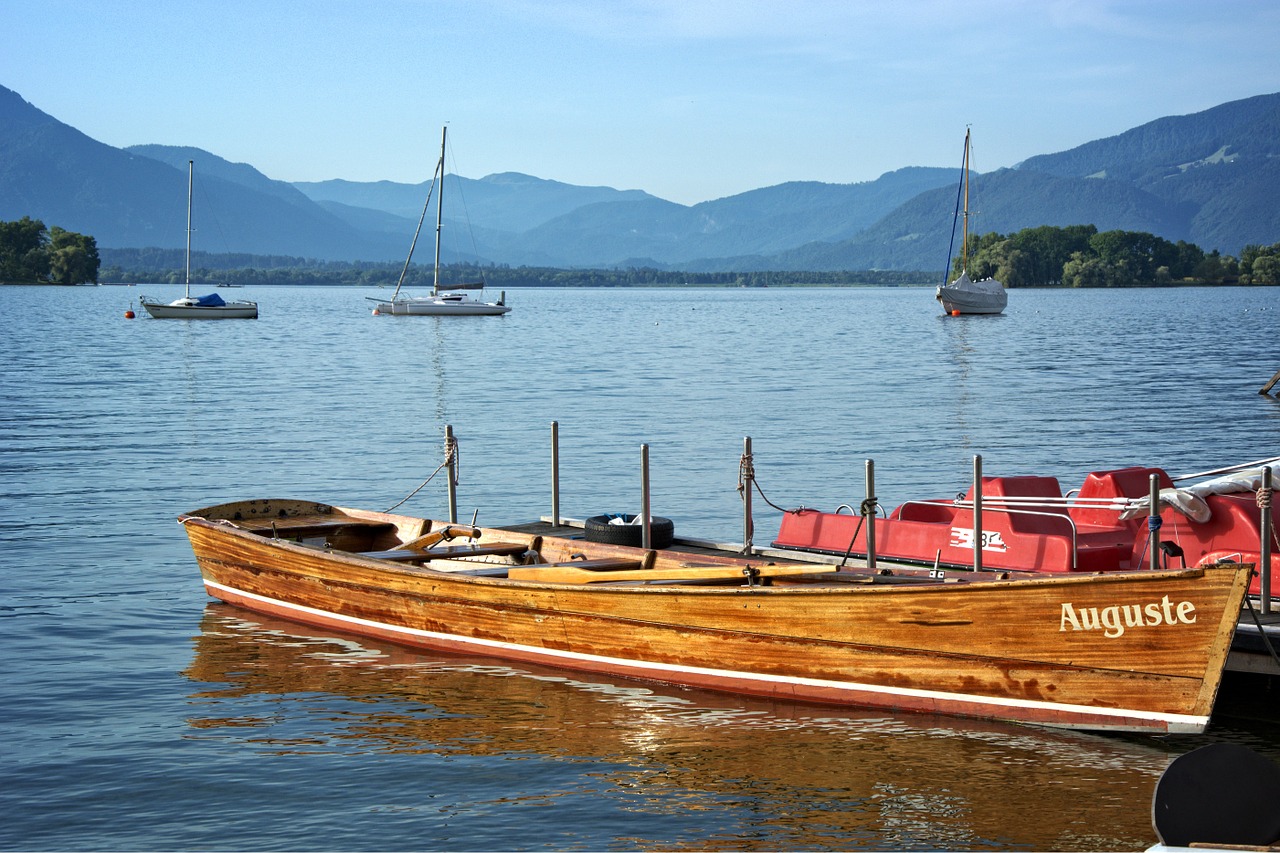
[[128, 315], [376, 312], [955, 312]]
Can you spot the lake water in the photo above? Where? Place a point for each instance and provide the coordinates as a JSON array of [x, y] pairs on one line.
[[140, 715]]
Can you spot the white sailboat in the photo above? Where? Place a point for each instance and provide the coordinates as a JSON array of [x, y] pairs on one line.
[[209, 307], [964, 295], [452, 301]]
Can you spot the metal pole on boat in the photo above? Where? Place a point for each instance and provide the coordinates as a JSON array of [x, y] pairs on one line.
[[1153, 523], [1264, 551], [451, 459], [748, 480], [645, 538], [555, 474], [869, 515], [977, 513]]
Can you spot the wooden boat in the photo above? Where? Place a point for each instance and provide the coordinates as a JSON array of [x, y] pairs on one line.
[[453, 301], [964, 295], [188, 307], [1134, 651]]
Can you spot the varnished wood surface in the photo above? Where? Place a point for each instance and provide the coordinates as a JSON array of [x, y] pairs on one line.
[[953, 647]]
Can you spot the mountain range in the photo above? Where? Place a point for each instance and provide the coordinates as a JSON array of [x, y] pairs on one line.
[[1209, 178]]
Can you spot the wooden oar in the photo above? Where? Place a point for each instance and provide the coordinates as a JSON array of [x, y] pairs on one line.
[[573, 573], [449, 531]]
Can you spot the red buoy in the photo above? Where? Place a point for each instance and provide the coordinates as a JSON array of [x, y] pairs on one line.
[[128, 315]]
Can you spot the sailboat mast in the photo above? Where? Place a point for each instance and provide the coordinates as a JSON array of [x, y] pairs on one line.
[[191, 171], [435, 289], [964, 245]]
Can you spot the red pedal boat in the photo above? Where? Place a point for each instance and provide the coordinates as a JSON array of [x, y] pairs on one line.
[[1028, 524]]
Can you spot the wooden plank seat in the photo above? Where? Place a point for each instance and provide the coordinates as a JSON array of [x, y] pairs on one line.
[[482, 570], [603, 571], [450, 552], [287, 528]]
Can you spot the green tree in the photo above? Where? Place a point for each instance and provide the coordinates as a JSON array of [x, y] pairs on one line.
[[1048, 248], [1265, 269], [73, 258], [1258, 264], [1006, 263], [23, 250], [1190, 256], [1133, 256], [1084, 270]]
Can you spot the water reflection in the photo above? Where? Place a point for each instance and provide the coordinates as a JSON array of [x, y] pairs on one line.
[[731, 771], [957, 332]]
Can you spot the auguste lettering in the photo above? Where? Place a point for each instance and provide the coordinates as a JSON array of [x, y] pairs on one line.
[[1115, 619]]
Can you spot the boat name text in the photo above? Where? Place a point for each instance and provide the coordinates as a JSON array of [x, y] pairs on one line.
[[1113, 620]]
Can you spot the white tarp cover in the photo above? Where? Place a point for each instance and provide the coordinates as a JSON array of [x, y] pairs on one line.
[[1189, 500]]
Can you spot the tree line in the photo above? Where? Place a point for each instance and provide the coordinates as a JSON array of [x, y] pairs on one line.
[[1082, 256], [1045, 256], [146, 266], [31, 253]]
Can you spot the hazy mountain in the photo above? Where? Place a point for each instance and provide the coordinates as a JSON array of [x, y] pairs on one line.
[[55, 173], [917, 234], [1210, 178], [508, 201]]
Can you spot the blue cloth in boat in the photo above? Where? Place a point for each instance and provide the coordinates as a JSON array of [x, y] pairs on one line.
[[213, 300]]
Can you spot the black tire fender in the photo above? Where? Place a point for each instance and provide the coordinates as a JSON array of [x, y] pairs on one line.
[[662, 531]]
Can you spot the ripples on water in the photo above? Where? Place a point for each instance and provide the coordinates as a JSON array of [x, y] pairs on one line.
[[139, 716]]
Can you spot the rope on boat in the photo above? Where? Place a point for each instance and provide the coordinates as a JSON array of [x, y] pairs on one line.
[[747, 474], [451, 454], [1153, 535], [450, 457]]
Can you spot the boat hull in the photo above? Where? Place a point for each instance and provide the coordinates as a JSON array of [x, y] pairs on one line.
[[436, 308], [961, 300], [228, 311], [1035, 650]]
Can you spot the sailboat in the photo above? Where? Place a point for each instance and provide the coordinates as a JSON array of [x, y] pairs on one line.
[[453, 301], [964, 295], [210, 307]]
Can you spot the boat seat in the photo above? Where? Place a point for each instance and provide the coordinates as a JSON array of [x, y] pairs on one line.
[[397, 556], [1026, 517], [1122, 483], [632, 571], [286, 529], [450, 552], [482, 571], [937, 512]]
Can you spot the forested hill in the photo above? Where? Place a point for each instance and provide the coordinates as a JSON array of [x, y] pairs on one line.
[[1209, 178]]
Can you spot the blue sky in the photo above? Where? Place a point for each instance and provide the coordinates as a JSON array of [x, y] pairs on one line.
[[690, 100]]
